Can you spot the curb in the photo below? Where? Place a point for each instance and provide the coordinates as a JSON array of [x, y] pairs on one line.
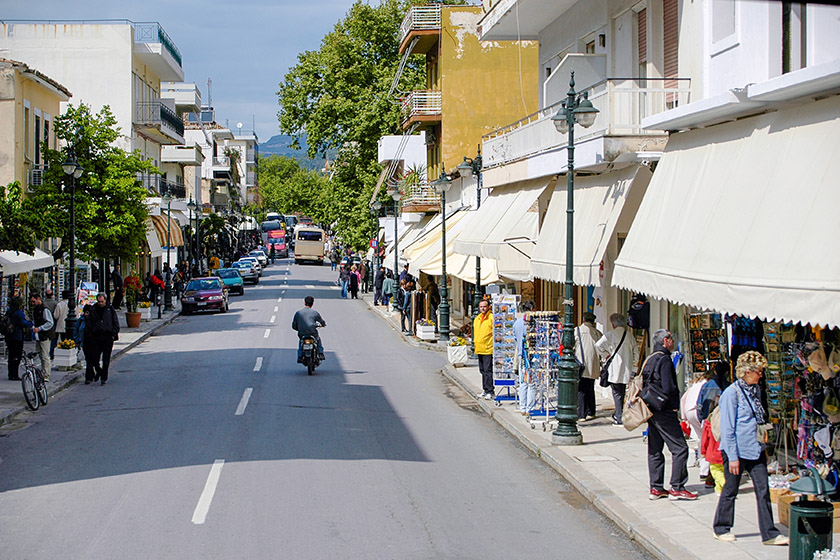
[[409, 339], [74, 376]]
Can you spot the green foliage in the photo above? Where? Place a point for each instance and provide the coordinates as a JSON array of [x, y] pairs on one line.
[[110, 203], [286, 187], [20, 225]]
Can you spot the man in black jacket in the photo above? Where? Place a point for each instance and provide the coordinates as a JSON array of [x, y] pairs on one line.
[[664, 426], [377, 286], [103, 327]]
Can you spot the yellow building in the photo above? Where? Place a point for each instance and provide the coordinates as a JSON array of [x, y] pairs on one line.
[[29, 103]]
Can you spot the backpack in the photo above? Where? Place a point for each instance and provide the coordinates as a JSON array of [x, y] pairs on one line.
[[7, 326]]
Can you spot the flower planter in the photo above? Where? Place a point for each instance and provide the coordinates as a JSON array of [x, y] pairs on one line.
[[65, 358], [457, 354], [145, 313], [425, 332], [133, 319]]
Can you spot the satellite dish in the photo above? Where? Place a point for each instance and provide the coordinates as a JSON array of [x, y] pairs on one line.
[[239, 125]]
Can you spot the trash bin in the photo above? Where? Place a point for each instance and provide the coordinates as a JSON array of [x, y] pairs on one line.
[[811, 526]]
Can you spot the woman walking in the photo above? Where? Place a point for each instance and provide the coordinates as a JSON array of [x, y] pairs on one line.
[[388, 287], [14, 340], [354, 281], [344, 280]]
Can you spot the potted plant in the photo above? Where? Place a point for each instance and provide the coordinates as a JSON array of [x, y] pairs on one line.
[[457, 350], [145, 309], [132, 288], [65, 354], [425, 329]]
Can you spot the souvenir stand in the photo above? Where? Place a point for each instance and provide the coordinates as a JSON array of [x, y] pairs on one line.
[[504, 346], [541, 362], [708, 342]]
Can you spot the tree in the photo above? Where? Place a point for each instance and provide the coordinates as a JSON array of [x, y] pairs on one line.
[[20, 225], [287, 187], [111, 210]]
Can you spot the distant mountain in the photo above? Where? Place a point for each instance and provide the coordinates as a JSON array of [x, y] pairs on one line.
[[281, 145]]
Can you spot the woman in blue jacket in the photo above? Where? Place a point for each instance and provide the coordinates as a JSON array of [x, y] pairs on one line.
[[15, 339], [741, 412]]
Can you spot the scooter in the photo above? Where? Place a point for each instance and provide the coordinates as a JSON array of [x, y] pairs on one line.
[[309, 353]]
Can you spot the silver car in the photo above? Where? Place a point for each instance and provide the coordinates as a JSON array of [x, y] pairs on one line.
[[260, 256], [248, 271], [255, 262]]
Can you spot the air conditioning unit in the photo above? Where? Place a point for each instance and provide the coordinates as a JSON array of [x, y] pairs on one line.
[[36, 177]]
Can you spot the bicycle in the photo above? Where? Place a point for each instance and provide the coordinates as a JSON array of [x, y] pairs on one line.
[[33, 383]]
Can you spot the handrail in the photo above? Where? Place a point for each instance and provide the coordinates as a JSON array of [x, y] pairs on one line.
[[420, 17]]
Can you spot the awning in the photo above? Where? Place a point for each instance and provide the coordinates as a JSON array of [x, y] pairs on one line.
[[599, 202], [407, 236], [13, 262], [742, 218], [430, 261], [159, 223], [152, 240]]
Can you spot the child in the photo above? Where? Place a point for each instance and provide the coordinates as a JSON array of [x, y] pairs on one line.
[[710, 448]]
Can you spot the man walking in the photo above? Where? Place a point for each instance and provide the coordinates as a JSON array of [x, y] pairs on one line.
[[103, 328], [618, 347], [483, 341], [117, 279], [585, 336], [664, 426], [59, 318], [43, 319], [377, 286]]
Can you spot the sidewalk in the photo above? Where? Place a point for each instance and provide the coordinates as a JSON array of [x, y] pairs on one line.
[[610, 470], [11, 394]]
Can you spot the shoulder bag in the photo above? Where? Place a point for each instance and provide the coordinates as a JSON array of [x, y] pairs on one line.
[[763, 431], [635, 412], [653, 395], [604, 379]]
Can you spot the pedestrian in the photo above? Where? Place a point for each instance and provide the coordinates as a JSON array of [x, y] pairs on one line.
[[354, 282], [403, 303], [483, 342], [527, 387], [363, 277], [710, 448], [741, 413], [344, 280], [689, 414], [103, 328], [84, 343], [660, 378], [43, 329], [59, 318], [618, 347], [147, 287], [585, 337], [433, 294], [378, 281], [388, 287], [14, 340], [335, 257], [158, 286], [404, 275], [272, 253], [119, 291]]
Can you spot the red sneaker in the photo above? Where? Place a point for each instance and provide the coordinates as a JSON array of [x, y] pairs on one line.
[[683, 494], [656, 494]]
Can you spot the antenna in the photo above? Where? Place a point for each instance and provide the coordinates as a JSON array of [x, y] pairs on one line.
[[239, 126], [209, 92]]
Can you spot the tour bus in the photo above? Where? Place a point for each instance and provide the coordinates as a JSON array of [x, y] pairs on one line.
[[309, 244]]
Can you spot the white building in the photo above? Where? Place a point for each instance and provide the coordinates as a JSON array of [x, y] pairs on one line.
[[245, 144], [215, 174]]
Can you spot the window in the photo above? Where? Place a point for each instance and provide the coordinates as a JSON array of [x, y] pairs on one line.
[[27, 149], [37, 139], [793, 37], [47, 132], [309, 236], [641, 34], [589, 48], [670, 29]]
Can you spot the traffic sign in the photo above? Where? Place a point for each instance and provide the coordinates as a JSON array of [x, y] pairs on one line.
[[374, 243]]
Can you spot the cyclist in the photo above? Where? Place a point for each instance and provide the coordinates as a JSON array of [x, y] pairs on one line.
[[306, 322], [14, 340]]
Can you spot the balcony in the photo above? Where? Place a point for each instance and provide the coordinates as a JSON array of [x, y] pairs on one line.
[[220, 199], [184, 155], [251, 155], [423, 23], [186, 96], [622, 104], [158, 185], [221, 167], [156, 50], [422, 107], [157, 121], [420, 197], [250, 178]]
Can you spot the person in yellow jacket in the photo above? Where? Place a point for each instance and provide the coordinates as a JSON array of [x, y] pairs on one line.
[[483, 339]]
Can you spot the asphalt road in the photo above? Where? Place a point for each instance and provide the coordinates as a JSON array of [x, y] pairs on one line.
[[210, 441]]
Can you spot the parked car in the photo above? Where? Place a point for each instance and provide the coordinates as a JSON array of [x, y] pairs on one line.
[[232, 280], [254, 260], [248, 271], [202, 294], [261, 256]]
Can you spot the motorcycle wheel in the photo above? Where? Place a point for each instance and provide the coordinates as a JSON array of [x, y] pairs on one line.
[[310, 367]]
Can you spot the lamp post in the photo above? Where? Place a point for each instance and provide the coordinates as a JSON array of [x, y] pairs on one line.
[[376, 207], [396, 195], [191, 206], [167, 288], [73, 171], [575, 109], [470, 167], [441, 186]]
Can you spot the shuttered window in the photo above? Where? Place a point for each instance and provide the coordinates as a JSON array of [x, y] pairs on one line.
[[670, 65], [641, 33]]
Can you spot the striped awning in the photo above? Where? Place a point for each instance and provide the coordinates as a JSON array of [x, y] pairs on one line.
[[159, 223]]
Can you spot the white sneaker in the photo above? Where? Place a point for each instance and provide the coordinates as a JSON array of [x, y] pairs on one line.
[[482, 396], [489, 396]]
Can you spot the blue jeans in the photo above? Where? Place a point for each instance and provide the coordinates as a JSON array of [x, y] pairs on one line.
[[300, 346], [344, 284], [333, 265]]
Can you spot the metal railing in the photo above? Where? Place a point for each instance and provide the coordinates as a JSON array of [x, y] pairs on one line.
[[420, 194], [622, 104], [250, 155], [157, 114], [250, 178], [153, 33], [221, 161], [421, 104], [175, 190], [420, 17]]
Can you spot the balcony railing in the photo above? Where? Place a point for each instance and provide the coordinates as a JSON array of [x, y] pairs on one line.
[[156, 113], [221, 161], [154, 33], [421, 104], [420, 194], [250, 178], [622, 104], [420, 18], [160, 186], [250, 155]]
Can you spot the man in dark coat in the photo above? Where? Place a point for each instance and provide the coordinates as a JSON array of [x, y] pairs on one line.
[[377, 286], [103, 328], [117, 279]]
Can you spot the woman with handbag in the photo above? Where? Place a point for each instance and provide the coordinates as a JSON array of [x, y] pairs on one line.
[[742, 448], [618, 347], [590, 366]]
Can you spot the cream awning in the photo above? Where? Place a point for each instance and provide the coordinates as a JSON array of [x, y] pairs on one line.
[[407, 236], [14, 262], [599, 201], [742, 218], [155, 247]]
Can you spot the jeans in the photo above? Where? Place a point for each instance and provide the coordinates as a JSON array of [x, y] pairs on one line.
[[386, 299], [344, 284], [618, 391], [377, 295], [725, 514], [586, 397], [300, 346], [664, 428], [15, 356], [333, 265], [485, 366], [44, 353], [527, 397], [53, 344]]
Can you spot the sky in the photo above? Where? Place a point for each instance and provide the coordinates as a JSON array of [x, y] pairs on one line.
[[245, 46]]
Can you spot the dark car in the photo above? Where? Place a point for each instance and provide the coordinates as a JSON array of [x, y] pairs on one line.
[[204, 293]]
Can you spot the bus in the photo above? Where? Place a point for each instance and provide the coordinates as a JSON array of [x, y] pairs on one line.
[[271, 226], [271, 216], [309, 244]]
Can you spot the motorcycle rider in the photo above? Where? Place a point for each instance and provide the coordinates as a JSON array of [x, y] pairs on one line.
[[306, 322]]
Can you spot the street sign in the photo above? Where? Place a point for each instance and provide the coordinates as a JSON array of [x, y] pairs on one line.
[[374, 244]]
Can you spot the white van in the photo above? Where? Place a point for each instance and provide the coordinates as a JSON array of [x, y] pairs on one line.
[[309, 244]]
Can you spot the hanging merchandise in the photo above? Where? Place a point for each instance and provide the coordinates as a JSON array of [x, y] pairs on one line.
[[543, 348], [708, 343], [638, 315], [504, 345]]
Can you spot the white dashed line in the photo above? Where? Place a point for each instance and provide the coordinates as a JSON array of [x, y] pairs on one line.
[[273, 318], [240, 410], [310, 286], [276, 308], [258, 365], [267, 332], [203, 506], [279, 299]]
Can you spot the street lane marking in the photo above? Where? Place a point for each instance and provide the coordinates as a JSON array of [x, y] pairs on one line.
[[203, 506], [267, 332], [240, 410], [279, 299], [310, 286], [258, 365], [276, 308], [273, 317]]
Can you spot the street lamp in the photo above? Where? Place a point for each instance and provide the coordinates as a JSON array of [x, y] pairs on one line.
[[73, 171], [575, 109], [441, 186], [376, 206], [167, 289], [396, 195], [470, 167]]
